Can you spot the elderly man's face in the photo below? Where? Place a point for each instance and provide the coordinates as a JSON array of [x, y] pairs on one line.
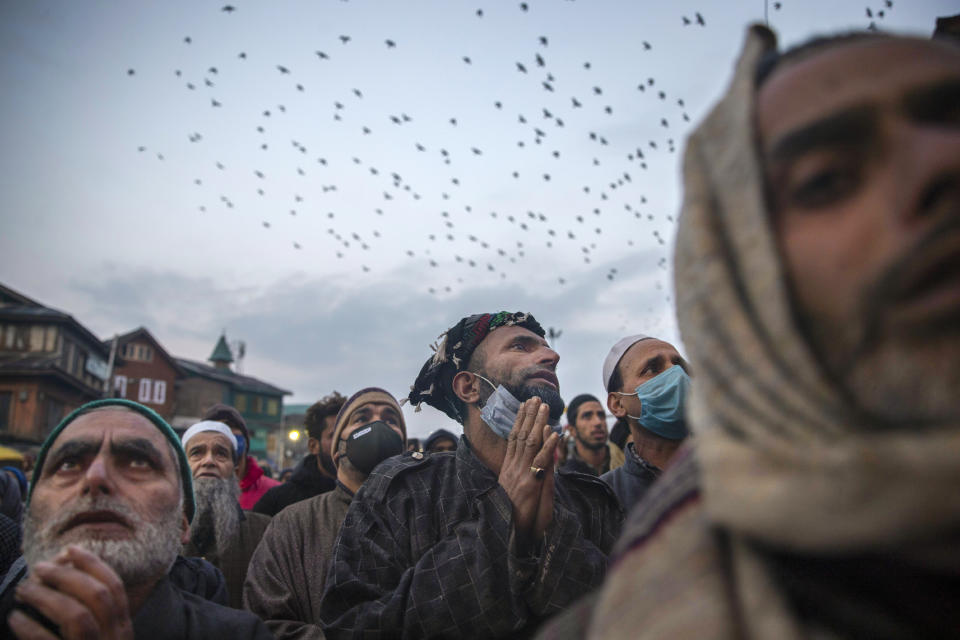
[[210, 455], [861, 147], [110, 484]]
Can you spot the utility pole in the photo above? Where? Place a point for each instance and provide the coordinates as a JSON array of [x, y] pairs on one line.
[[108, 383]]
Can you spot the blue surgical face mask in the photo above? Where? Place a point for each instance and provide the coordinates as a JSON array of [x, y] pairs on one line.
[[501, 409], [663, 403]]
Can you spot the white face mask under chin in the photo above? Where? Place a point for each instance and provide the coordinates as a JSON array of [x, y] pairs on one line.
[[501, 409]]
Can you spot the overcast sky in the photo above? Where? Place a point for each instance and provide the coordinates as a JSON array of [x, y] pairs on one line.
[[337, 205]]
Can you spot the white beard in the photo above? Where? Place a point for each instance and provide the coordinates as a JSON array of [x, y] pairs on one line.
[[146, 556], [218, 513]]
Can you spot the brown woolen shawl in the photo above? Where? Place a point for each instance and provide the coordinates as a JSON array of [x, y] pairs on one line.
[[783, 462], [785, 458]]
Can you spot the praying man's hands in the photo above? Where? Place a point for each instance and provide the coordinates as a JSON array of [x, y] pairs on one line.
[[79, 593], [530, 447]]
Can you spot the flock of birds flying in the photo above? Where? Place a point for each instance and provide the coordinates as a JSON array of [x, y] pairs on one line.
[[442, 233]]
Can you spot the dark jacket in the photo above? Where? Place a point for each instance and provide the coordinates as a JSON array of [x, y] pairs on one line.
[[287, 573], [428, 550], [631, 480], [170, 612], [306, 482], [195, 578], [236, 558]]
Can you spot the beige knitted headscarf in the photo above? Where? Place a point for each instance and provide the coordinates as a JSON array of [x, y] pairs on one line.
[[783, 458]]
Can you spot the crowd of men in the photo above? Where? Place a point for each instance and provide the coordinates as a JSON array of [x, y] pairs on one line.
[[795, 477]]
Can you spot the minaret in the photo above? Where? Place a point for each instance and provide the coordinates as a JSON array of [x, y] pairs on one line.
[[221, 356]]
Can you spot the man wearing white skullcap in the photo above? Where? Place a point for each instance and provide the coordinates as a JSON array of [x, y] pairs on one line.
[[221, 532], [646, 382]]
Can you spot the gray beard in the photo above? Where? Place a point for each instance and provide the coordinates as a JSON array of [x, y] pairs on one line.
[[138, 560], [218, 513]]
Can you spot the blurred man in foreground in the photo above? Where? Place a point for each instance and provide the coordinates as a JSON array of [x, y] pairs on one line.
[[818, 292]]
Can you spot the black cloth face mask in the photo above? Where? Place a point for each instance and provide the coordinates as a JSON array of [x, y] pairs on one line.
[[371, 444]]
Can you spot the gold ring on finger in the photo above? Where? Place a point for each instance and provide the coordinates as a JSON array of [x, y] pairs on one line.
[[537, 472]]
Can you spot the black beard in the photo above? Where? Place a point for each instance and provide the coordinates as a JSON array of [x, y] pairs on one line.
[[550, 396], [326, 463], [593, 446]]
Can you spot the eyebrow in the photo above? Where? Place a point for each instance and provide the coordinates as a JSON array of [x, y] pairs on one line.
[[849, 128], [528, 340], [653, 362], [72, 449], [929, 102], [137, 446]]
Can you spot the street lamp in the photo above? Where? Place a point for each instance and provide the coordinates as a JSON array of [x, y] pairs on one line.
[[294, 435]]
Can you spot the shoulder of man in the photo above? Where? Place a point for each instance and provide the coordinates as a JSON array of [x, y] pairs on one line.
[[199, 577], [397, 469], [210, 620], [274, 499], [586, 483], [255, 522]]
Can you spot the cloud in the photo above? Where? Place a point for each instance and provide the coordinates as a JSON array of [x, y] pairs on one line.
[[313, 335]]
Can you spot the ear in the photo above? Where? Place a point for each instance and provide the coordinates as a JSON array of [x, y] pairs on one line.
[[313, 446], [466, 386], [184, 530], [615, 404]]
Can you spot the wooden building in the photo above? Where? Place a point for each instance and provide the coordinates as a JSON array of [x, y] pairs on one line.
[[50, 364], [260, 403], [143, 371]]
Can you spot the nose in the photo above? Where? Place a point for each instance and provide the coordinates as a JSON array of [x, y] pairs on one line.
[[929, 174], [548, 356], [97, 479]]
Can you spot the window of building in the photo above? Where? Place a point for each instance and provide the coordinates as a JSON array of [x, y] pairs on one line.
[[53, 414], [257, 405], [50, 339], [6, 400], [120, 386], [159, 391], [240, 403], [80, 366], [67, 356], [36, 337], [273, 407], [143, 392], [17, 337], [137, 351]]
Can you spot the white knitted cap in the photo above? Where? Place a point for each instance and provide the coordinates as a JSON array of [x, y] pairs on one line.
[[613, 358]]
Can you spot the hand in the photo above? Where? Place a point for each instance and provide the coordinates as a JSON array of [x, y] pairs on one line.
[[531, 443], [78, 592]]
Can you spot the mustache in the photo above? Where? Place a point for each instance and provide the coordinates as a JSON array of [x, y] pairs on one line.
[[882, 295], [106, 507]]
